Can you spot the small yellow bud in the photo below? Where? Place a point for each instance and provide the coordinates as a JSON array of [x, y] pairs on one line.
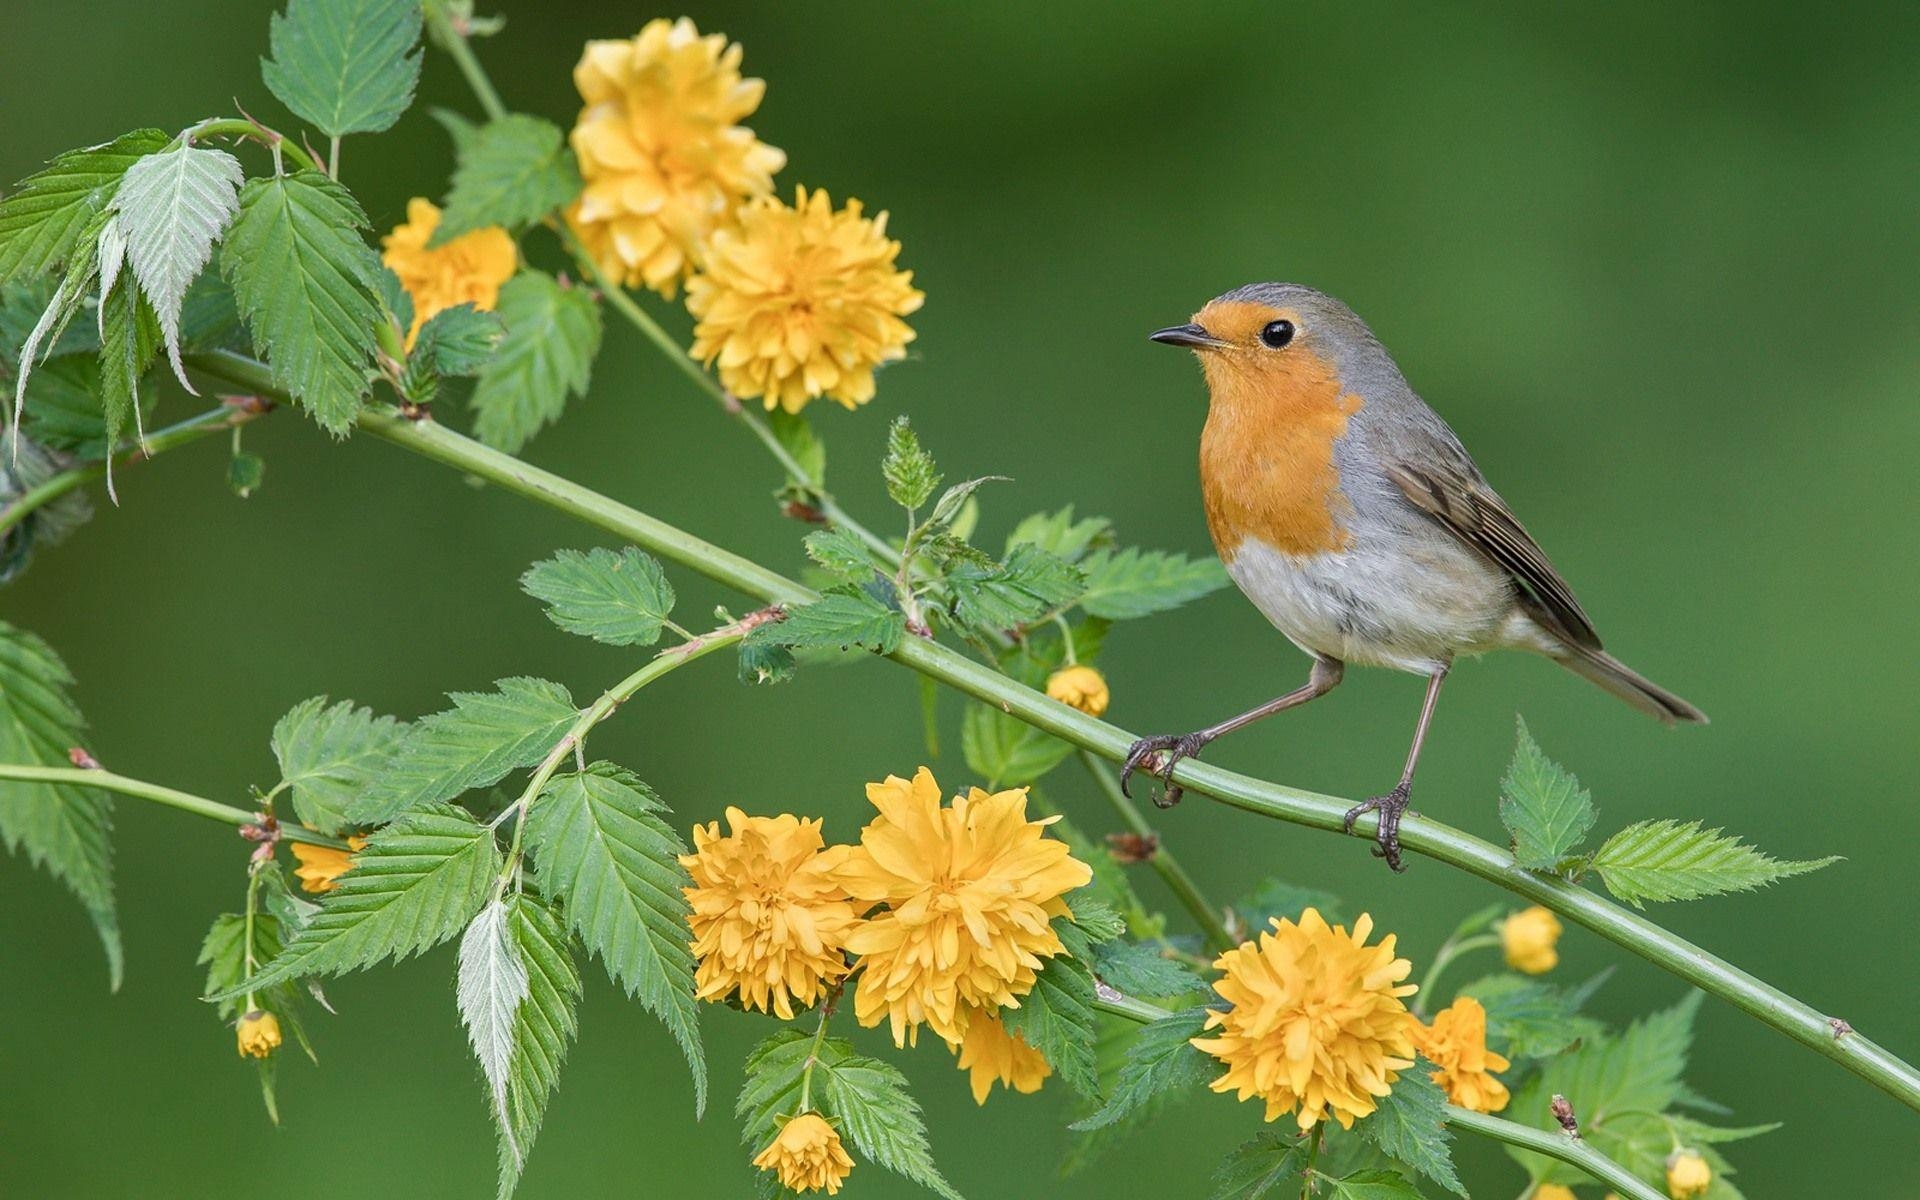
[[259, 1034], [322, 866], [1529, 937], [807, 1155], [1688, 1175], [1080, 687], [1553, 1191]]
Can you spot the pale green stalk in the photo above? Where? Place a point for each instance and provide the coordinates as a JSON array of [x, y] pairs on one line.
[[140, 789]]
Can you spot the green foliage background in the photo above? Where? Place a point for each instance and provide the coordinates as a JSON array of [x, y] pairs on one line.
[[1656, 266]]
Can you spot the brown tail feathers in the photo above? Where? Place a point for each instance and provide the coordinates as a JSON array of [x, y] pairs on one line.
[[1636, 689]]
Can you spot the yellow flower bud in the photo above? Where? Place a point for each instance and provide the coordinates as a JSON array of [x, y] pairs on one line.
[[321, 866], [259, 1034], [1529, 937], [807, 1155], [1553, 1191], [1688, 1175], [1080, 687]]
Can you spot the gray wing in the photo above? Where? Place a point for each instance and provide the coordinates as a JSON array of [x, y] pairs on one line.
[[1454, 494]]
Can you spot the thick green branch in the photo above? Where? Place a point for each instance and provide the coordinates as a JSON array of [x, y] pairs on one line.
[[1160, 858], [187, 802]]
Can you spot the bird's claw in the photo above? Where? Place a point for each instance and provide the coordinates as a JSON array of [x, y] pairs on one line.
[[1159, 755], [1391, 807]]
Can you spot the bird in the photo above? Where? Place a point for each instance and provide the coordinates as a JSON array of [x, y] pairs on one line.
[[1352, 517]]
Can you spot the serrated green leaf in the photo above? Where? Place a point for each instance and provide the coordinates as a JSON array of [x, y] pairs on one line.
[[61, 828], [604, 852], [460, 340], [1258, 1167], [223, 952], [24, 466], [1094, 923], [1672, 860], [1027, 587], [491, 984], [947, 509], [416, 883], [43, 220], [1060, 535], [330, 756], [842, 553], [1137, 583], [512, 172], [1057, 1019], [547, 355], [345, 66], [839, 620], [908, 470], [208, 318], [303, 281], [617, 598], [171, 208], [765, 664], [543, 1028], [796, 435], [1006, 751], [1375, 1184], [1530, 1019], [1410, 1125], [1141, 970], [129, 338], [1272, 898], [471, 745], [82, 272], [1542, 805], [1161, 1060]]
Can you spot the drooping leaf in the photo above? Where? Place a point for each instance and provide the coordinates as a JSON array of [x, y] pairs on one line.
[[1137, 583], [837, 620], [543, 1028], [1674, 860], [617, 598], [223, 952], [61, 828], [908, 470], [1140, 970], [471, 745], [1542, 805], [512, 172], [1410, 1125], [492, 984], [553, 333], [345, 66], [1006, 751], [1028, 586], [1057, 1019], [416, 883], [304, 283], [1060, 535], [129, 338], [1259, 1168], [171, 208], [43, 219], [458, 341], [330, 756], [69, 297], [603, 850], [765, 664], [26, 465], [1161, 1060]]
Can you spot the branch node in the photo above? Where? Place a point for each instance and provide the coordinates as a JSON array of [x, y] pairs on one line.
[[78, 756], [1840, 1027], [1563, 1112]]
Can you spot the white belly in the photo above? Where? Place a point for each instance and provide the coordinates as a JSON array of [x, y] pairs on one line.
[[1411, 607]]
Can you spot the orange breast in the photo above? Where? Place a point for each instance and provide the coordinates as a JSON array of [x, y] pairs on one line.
[[1266, 457]]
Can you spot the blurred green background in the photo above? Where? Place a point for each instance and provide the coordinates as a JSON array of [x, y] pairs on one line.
[[1656, 265]]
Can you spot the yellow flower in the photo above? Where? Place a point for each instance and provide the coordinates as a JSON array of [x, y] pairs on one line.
[[807, 1155], [1456, 1043], [769, 920], [969, 891], [321, 866], [1529, 937], [802, 302], [1688, 1175], [1554, 1191], [1080, 687], [664, 157], [468, 269], [1315, 1020], [995, 1056], [259, 1034]]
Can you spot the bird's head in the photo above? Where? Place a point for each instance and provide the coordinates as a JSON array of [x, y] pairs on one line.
[[1275, 338]]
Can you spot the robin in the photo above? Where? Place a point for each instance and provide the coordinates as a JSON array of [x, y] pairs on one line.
[[1352, 517]]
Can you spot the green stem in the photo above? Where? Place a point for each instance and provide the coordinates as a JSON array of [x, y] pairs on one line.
[[813, 1057], [273, 140], [1420, 834], [186, 802], [1164, 864], [1450, 950], [450, 37]]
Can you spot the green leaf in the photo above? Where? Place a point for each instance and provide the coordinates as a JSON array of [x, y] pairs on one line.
[[1672, 860], [1137, 583], [304, 282], [330, 756], [1094, 922], [1259, 1167], [513, 172], [1161, 1060], [1375, 1185], [543, 1028], [24, 466], [1410, 1125], [553, 333], [1141, 970], [1027, 587], [491, 984], [1006, 751], [1542, 805], [765, 664], [908, 470], [62, 828], [474, 744], [129, 338], [223, 952], [1278, 898], [244, 474], [841, 553], [614, 864], [43, 220], [837, 619], [460, 340], [171, 208], [796, 434], [1530, 1019], [68, 298], [617, 598], [1060, 535], [345, 66], [416, 883], [1056, 1018]]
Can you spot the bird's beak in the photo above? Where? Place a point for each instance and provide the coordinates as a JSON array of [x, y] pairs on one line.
[[1194, 337]]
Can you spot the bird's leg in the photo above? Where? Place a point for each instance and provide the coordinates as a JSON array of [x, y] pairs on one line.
[[1158, 754], [1393, 805]]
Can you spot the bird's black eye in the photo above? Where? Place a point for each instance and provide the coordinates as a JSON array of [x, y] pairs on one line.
[[1276, 334]]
